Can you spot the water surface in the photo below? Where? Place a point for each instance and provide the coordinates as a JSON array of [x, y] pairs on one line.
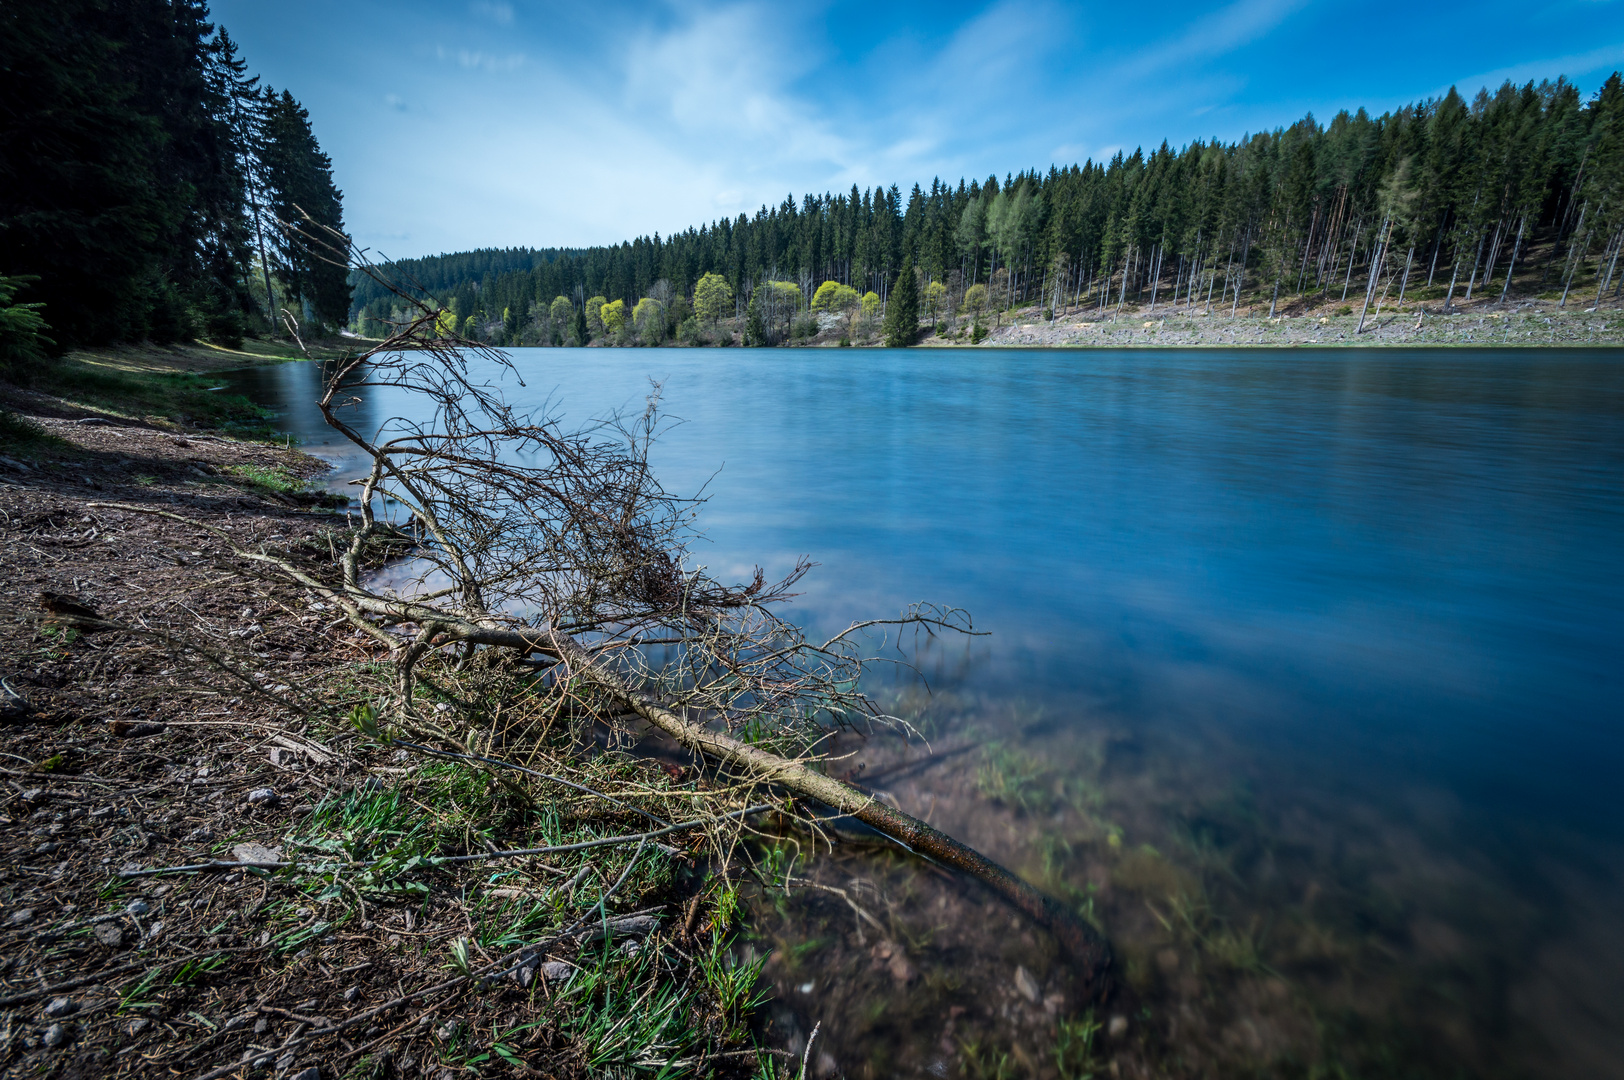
[[1267, 628]]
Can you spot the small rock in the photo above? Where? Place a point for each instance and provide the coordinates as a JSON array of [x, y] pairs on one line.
[[60, 1007], [20, 916], [109, 934], [306, 1006], [256, 853], [46, 848], [201, 833], [56, 1035], [351, 994], [261, 1026], [138, 1025], [1118, 1027], [311, 1073], [1027, 985], [237, 1022], [555, 971], [138, 907], [448, 1031], [263, 795]]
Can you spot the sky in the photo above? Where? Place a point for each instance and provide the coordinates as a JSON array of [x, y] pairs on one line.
[[456, 124]]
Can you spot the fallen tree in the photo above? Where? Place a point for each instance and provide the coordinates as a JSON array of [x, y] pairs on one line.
[[560, 550]]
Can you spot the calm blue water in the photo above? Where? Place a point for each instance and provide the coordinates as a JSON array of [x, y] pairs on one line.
[[1387, 565]]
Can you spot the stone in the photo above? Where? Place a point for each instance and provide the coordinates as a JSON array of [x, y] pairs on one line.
[[256, 853], [262, 796], [1027, 986], [1117, 1027], [237, 1022], [20, 916], [351, 994], [56, 1035], [109, 934], [138, 907], [201, 833], [60, 1007], [311, 1073], [556, 971], [448, 1031], [261, 1026], [138, 1025]]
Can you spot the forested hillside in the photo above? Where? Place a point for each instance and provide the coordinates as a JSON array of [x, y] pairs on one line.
[[143, 177], [1447, 194]]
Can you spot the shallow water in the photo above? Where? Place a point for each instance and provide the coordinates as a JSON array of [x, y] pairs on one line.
[[1303, 679]]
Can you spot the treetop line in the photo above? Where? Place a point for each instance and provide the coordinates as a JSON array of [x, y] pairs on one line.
[[1441, 190]]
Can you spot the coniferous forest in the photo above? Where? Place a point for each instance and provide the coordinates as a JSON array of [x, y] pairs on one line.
[[150, 187], [1451, 198]]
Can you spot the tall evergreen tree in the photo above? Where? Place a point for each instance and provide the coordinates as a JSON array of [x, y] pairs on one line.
[[902, 311]]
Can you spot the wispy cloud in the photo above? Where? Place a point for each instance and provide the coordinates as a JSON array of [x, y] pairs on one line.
[[639, 115], [497, 12], [476, 60], [1241, 23]]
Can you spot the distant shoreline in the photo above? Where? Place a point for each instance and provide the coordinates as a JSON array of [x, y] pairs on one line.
[[1526, 324]]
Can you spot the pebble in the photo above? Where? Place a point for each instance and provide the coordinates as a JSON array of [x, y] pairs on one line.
[[109, 934], [352, 993], [1118, 1027], [261, 1026], [311, 1073], [1027, 985], [138, 907], [263, 795], [60, 1007], [138, 1025], [448, 1031], [20, 916], [56, 1035]]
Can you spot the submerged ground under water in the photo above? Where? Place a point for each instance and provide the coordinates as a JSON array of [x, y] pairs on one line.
[[1303, 683]]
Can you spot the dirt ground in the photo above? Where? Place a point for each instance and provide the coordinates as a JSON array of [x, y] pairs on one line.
[[154, 716]]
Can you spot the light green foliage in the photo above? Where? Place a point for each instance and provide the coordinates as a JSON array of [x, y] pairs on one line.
[[975, 300], [612, 316], [445, 324], [871, 305], [559, 311], [787, 294], [823, 299], [594, 316], [649, 319], [935, 300], [713, 298]]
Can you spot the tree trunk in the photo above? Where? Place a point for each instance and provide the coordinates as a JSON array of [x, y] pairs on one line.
[[1512, 267], [1375, 267], [1087, 949]]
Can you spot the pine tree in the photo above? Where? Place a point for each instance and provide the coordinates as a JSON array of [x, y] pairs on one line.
[[902, 312], [308, 209]]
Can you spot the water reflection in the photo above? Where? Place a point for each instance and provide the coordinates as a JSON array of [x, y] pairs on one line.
[[1304, 674]]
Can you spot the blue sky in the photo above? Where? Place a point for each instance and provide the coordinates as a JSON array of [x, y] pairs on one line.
[[472, 123]]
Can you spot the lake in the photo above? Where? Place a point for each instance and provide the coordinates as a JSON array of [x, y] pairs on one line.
[[1305, 680]]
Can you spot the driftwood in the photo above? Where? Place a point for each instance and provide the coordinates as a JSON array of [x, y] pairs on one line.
[[560, 550]]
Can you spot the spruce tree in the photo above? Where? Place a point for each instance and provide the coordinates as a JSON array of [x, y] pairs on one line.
[[579, 329], [902, 310]]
